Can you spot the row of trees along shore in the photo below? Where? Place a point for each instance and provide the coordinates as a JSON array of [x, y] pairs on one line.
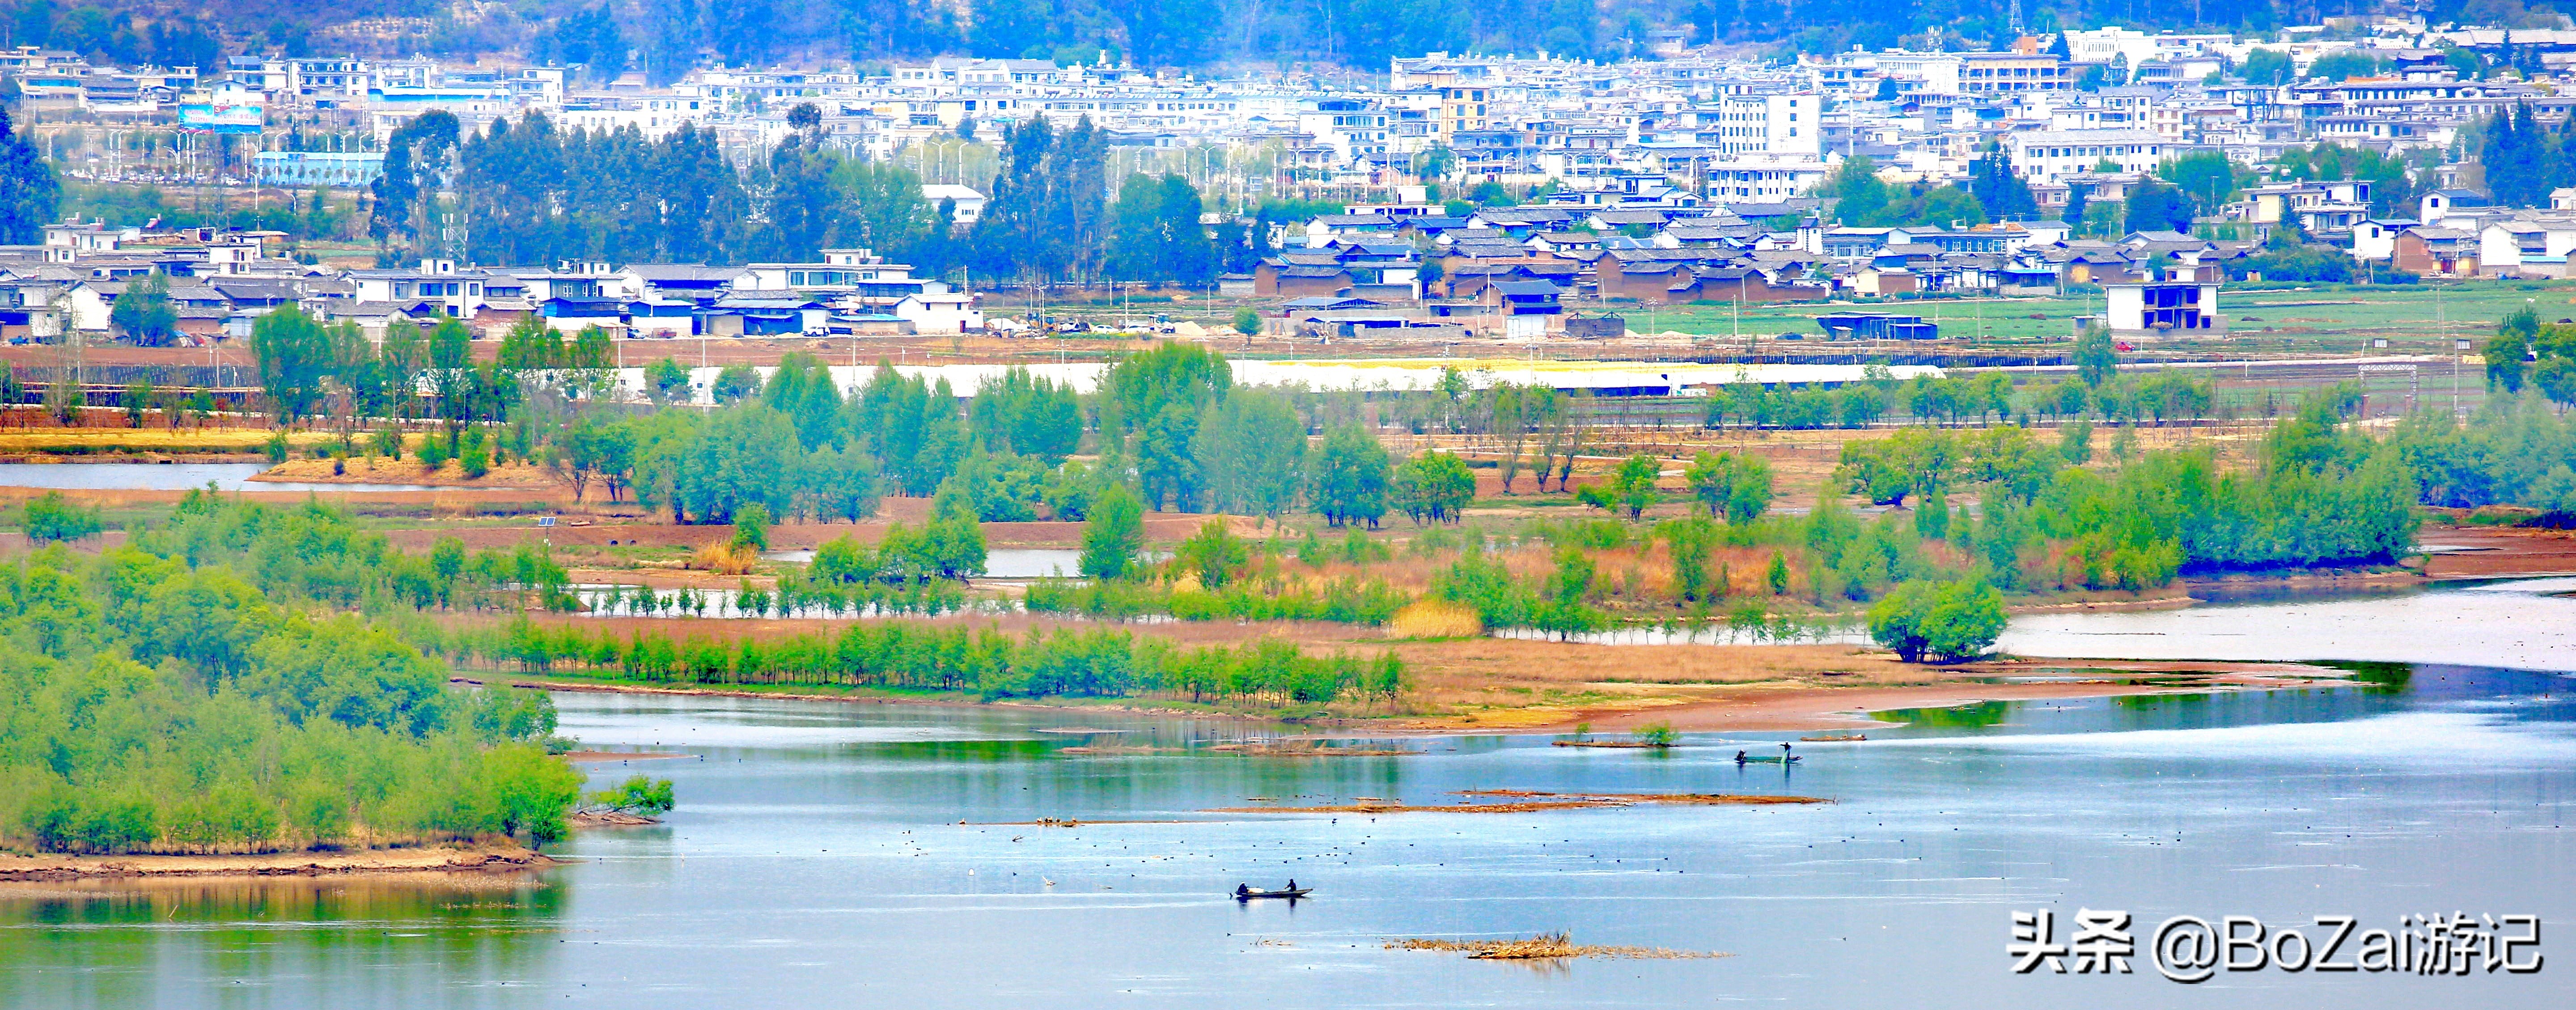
[[246, 678], [152, 705]]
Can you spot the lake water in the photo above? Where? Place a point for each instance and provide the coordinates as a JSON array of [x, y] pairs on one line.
[[169, 477], [817, 858], [999, 562]]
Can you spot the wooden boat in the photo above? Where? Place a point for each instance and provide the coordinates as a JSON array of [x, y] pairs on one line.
[[1291, 894], [1743, 758], [1835, 738]]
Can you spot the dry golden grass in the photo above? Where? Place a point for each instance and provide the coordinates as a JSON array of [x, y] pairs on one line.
[[725, 559], [1428, 618], [64, 441]]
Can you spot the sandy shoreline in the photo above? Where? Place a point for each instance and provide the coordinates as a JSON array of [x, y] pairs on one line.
[[1778, 705], [492, 858]]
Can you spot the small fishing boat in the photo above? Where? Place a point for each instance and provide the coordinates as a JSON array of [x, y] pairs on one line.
[[1782, 758], [1292, 892], [1835, 738]]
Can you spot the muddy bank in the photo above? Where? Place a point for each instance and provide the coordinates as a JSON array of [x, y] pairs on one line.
[[1802, 707], [377, 470], [492, 858], [1779, 694], [1516, 801], [2486, 552]]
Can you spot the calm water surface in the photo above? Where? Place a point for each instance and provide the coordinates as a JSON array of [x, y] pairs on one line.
[[168, 477], [817, 860]]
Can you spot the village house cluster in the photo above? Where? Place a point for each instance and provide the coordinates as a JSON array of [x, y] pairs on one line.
[[221, 281], [1687, 177]]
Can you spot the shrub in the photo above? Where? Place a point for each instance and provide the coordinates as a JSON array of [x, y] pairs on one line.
[[639, 795], [52, 518], [751, 527], [1948, 621]]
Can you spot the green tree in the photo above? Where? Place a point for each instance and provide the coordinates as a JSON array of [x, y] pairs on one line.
[[1947, 621], [1212, 554], [30, 193], [751, 527], [2344, 64], [1859, 196], [2270, 67], [1631, 488], [1434, 486], [802, 389], [1022, 413], [1911, 461], [666, 382], [1688, 542], [1252, 453], [2209, 178], [50, 517], [994, 488], [2152, 206], [746, 455], [1151, 403], [1735, 487], [1113, 534], [1247, 321], [1350, 475], [143, 311], [735, 383], [2507, 352], [2096, 360], [841, 482], [641, 796], [531, 345], [294, 354]]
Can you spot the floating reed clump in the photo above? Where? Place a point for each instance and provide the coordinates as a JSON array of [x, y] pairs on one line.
[[1544, 946]]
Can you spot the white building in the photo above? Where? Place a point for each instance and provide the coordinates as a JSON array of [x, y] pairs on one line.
[[2047, 156], [970, 204], [2151, 308], [2528, 245], [1772, 124], [940, 311], [1763, 177], [2375, 239]]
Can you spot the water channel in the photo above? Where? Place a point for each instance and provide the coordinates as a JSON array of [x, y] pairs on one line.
[[818, 860]]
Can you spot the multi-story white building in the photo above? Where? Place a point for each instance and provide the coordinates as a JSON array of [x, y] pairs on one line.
[[2046, 156], [1778, 124], [1762, 177]]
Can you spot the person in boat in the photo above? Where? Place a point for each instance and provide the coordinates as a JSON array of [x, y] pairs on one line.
[[1292, 884], [1241, 890], [1739, 757]]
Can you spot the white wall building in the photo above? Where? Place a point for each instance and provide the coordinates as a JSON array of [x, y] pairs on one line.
[[970, 204], [1763, 177], [2047, 156], [1775, 124]]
